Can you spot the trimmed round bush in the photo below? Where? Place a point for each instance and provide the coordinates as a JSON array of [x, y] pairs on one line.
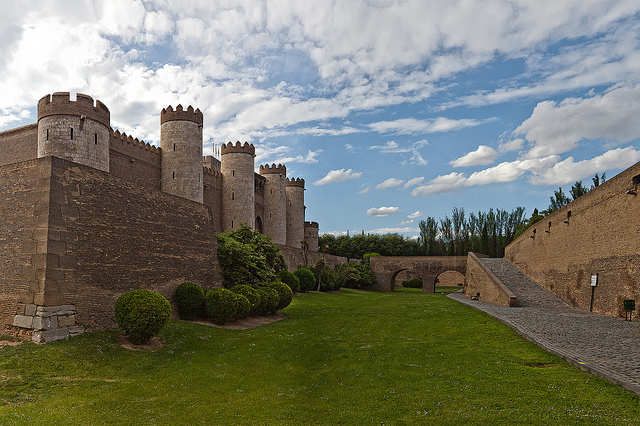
[[244, 307], [270, 300], [141, 314], [332, 280], [222, 304], [284, 294], [291, 280], [251, 294], [190, 300], [413, 283], [307, 279]]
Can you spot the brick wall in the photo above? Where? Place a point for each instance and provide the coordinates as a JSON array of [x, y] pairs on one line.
[[19, 144], [135, 161], [21, 187], [130, 237], [599, 233], [480, 280], [294, 257]]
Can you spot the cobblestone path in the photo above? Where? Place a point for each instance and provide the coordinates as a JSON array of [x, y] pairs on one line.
[[605, 346]]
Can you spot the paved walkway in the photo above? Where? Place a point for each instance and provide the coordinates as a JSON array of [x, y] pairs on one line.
[[607, 347]]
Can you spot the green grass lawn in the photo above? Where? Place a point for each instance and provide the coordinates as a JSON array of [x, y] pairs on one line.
[[352, 358]]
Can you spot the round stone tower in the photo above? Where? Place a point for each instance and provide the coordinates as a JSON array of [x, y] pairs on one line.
[[275, 202], [238, 185], [77, 131], [181, 143], [295, 212], [311, 235]]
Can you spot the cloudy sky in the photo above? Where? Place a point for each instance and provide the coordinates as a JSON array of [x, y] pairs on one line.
[[390, 110]]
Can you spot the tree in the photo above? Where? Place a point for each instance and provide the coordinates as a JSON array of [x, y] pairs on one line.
[[428, 235], [446, 235], [597, 180], [578, 190], [558, 200]]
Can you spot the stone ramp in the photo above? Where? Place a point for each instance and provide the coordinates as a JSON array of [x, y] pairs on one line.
[[528, 292]]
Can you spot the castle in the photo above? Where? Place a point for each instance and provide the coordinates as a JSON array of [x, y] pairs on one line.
[[89, 213]]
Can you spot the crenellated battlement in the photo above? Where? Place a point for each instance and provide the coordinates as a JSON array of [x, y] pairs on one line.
[[60, 103], [273, 169], [210, 172], [179, 114], [295, 182], [245, 148], [311, 224], [123, 138]]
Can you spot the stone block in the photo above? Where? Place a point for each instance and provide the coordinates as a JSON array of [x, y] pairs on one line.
[[45, 323], [23, 321], [50, 335], [76, 329], [30, 309], [66, 320], [58, 310]]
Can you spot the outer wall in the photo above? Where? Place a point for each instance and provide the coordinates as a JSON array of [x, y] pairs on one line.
[[601, 235], [181, 143], [128, 237], [295, 215]]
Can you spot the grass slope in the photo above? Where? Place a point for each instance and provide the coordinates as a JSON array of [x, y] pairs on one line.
[[353, 358]]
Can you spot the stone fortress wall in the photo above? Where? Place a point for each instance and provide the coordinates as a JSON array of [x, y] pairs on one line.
[[90, 213], [597, 234]]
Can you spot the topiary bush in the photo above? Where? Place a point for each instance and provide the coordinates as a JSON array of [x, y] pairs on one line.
[[141, 314], [413, 283], [190, 300], [244, 307], [251, 294], [332, 280], [221, 304], [307, 279], [284, 293], [270, 300], [291, 280]]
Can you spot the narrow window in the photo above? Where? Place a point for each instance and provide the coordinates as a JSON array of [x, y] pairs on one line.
[[549, 224], [96, 138], [174, 146], [569, 213], [47, 134], [72, 133], [198, 177], [269, 215], [271, 191], [233, 172], [231, 224], [174, 175], [233, 195]]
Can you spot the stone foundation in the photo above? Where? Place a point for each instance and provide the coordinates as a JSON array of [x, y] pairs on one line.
[[49, 323]]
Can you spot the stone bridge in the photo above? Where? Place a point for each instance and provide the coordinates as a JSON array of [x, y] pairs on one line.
[[428, 268]]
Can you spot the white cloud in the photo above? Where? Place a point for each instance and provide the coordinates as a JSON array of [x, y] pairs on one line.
[[513, 145], [409, 126], [365, 190], [557, 127], [440, 184], [412, 182], [482, 156], [416, 214], [568, 171], [338, 176], [390, 183], [396, 230], [382, 211], [349, 147]]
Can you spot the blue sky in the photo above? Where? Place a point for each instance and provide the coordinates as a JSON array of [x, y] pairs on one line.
[[390, 110]]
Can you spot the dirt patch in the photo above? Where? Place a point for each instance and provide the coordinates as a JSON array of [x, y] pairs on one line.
[[154, 343], [9, 343], [244, 324]]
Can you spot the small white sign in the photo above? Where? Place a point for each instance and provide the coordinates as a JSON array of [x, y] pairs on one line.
[[594, 280]]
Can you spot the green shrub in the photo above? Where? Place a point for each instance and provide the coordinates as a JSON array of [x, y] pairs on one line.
[[221, 304], [284, 294], [332, 280], [357, 274], [244, 307], [414, 283], [270, 299], [141, 314], [190, 300], [291, 280], [307, 279], [251, 294]]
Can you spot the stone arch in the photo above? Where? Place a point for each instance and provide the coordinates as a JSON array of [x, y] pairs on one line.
[[259, 226], [392, 281], [450, 278]]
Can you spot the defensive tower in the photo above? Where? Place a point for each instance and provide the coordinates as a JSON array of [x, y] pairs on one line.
[[275, 202], [238, 185], [181, 143], [77, 130], [311, 235], [295, 211]]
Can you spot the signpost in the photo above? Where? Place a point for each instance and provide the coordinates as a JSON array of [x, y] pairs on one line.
[[594, 283]]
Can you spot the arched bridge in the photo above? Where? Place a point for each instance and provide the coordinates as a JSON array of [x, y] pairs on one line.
[[428, 268]]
